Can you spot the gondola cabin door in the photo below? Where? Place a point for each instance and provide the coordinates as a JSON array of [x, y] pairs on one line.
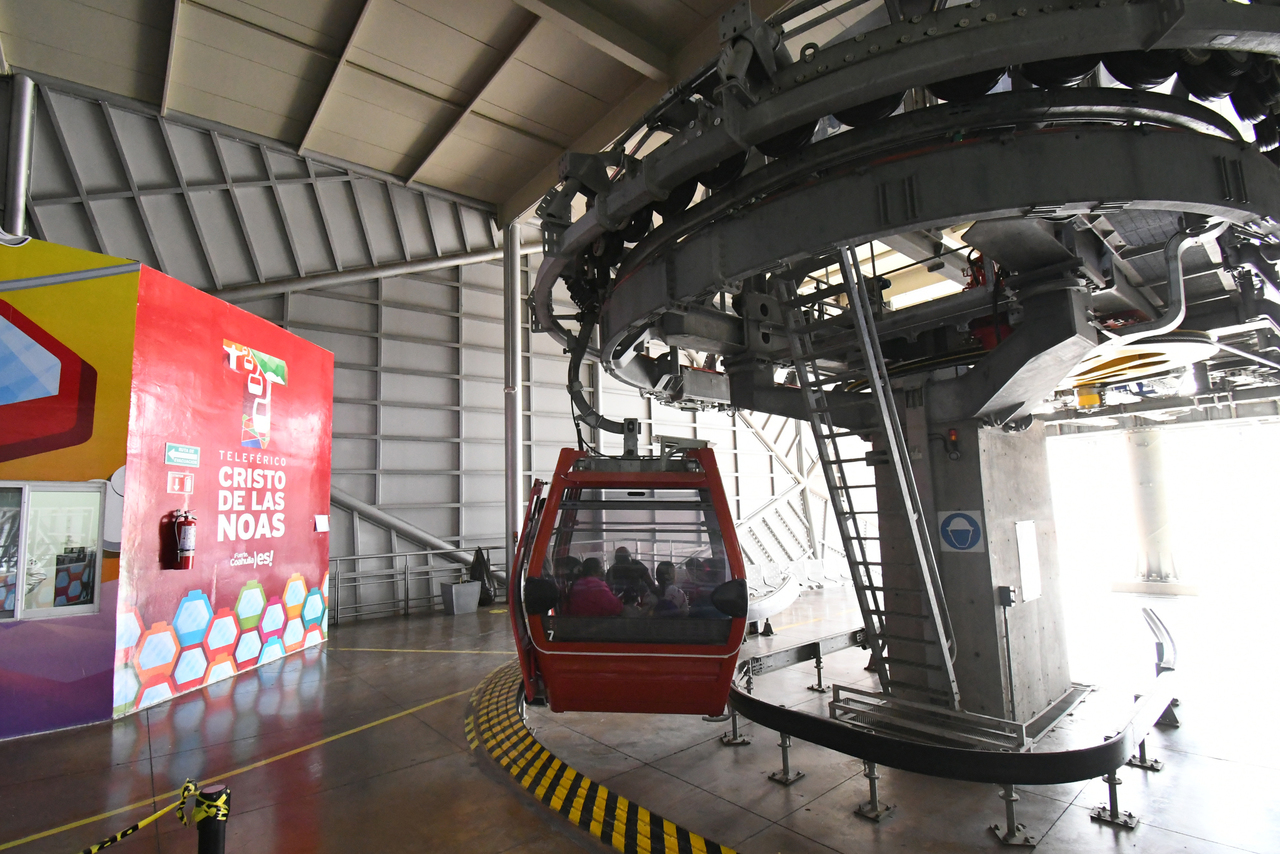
[[634, 587]]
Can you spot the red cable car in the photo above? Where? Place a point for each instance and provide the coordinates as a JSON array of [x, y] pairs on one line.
[[629, 592]]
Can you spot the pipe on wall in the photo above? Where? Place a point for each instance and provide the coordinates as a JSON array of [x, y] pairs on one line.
[[347, 501], [21, 133], [363, 274], [513, 382]]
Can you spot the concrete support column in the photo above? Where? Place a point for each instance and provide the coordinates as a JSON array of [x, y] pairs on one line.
[[513, 379], [21, 133], [999, 481], [1151, 509]]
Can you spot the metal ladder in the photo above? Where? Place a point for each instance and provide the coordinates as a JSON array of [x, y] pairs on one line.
[[823, 353]]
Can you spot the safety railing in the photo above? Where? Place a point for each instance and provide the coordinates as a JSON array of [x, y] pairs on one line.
[[401, 582]]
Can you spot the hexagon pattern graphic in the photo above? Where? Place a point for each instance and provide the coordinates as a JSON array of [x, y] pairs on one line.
[[313, 608], [295, 591], [248, 649], [273, 619], [222, 635], [157, 652], [191, 668], [249, 605], [156, 691], [293, 635], [128, 629], [222, 668], [126, 688], [193, 617], [271, 650], [202, 647]]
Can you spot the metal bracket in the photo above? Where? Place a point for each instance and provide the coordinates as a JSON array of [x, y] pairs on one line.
[[1141, 760], [786, 776], [733, 738], [872, 809], [1110, 812], [1015, 834]]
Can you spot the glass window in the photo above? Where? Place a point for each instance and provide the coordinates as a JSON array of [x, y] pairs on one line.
[[10, 515], [637, 566], [50, 549]]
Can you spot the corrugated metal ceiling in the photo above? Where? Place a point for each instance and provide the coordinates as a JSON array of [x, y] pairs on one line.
[[477, 97]]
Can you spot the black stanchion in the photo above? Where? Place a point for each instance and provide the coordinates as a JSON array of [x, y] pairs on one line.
[[213, 805]]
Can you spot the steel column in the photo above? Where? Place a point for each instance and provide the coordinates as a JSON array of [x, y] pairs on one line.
[[513, 387], [21, 132]]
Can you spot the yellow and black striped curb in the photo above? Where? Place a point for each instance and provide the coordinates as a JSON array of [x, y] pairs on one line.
[[494, 720]]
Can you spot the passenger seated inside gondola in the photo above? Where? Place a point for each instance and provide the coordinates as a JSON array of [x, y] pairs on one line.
[[590, 596], [631, 581], [672, 601]]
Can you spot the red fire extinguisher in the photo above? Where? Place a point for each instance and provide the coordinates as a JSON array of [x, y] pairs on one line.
[[184, 529]]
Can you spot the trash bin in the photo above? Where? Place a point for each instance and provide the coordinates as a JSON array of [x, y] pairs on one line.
[[461, 597]]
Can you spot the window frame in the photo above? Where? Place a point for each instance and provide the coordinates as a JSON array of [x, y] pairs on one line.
[[20, 611]]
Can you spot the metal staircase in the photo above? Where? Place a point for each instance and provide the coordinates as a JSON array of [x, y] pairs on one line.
[[833, 343]]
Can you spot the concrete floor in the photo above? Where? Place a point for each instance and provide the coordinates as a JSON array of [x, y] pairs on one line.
[[392, 771]]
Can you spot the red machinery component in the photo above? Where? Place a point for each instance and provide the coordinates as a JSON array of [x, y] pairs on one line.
[[184, 534], [629, 591]]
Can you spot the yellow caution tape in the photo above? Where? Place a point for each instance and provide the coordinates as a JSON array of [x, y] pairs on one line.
[[217, 808], [188, 789]]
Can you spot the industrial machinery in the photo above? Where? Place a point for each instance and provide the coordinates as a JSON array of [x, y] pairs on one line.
[[1082, 198]]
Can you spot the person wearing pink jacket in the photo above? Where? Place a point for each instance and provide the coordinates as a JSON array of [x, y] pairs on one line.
[[590, 596]]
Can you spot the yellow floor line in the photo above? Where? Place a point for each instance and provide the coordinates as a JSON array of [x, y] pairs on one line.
[[814, 620], [150, 802]]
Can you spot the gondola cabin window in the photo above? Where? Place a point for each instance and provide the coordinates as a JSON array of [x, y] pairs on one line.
[[637, 566]]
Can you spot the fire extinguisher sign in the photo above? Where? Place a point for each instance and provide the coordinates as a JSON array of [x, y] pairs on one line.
[[181, 483]]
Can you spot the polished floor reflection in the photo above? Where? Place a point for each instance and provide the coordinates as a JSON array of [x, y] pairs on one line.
[[308, 770], [358, 746]]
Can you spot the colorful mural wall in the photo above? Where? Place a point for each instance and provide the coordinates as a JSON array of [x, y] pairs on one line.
[[172, 400]]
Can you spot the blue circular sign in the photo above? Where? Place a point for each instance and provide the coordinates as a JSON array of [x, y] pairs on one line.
[[961, 531]]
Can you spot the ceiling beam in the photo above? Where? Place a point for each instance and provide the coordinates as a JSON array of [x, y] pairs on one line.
[[517, 40], [337, 69], [603, 33], [168, 65], [692, 55]]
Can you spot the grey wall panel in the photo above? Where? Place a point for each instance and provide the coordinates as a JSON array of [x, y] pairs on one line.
[[123, 232], [241, 162], [320, 309], [266, 231], [410, 388], [418, 324], [355, 383], [422, 292], [306, 225], [410, 210], [145, 152], [379, 218], [445, 226], [224, 237], [175, 234], [345, 230], [82, 128], [412, 355]]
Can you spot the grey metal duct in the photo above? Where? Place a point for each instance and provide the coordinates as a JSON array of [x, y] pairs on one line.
[[364, 274], [348, 501], [21, 133]]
